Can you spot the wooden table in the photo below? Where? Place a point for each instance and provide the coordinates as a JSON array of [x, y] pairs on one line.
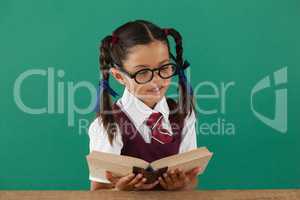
[[161, 195]]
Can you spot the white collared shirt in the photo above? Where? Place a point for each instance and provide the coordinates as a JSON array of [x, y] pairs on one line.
[[138, 113]]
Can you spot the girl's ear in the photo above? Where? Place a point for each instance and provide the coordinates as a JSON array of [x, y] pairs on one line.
[[118, 75]]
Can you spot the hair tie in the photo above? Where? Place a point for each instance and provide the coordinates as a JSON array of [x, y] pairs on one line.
[[166, 31], [182, 77], [103, 85], [114, 39]]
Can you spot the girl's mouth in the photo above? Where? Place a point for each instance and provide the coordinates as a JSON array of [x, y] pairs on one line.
[[156, 90]]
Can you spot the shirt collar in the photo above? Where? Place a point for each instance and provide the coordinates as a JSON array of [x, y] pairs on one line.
[[139, 111]]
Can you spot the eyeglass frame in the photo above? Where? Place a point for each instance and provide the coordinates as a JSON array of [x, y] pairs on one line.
[[132, 76]]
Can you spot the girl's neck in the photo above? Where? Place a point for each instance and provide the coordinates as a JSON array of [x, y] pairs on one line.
[[150, 104]]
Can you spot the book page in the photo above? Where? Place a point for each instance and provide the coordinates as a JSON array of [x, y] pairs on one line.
[[185, 161], [119, 165]]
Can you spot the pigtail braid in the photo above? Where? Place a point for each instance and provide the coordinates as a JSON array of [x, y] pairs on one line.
[[186, 100], [106, 111]]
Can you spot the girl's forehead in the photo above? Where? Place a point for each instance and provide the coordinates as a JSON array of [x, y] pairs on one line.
[[151, 54]]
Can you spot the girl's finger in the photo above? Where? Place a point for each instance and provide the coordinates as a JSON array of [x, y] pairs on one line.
[[167, 179], [109, 176], [162, 183], [197, 169], [126, 179], [113, 175], [135, 180], [140, 183], [194, 172], [173, 176], [181, 175], [149, 186]]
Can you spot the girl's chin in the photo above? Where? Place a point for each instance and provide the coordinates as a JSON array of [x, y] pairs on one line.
[[156, 97]]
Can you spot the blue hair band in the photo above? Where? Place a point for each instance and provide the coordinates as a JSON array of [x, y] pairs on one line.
[[183, 78], [103, 85]]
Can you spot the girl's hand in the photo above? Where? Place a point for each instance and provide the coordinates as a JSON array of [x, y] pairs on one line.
[[130, 182], [177, 179]]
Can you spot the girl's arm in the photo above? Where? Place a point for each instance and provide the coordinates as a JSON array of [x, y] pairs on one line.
[[96, 186]]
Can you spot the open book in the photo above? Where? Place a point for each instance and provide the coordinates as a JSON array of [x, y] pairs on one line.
[[121, 165]]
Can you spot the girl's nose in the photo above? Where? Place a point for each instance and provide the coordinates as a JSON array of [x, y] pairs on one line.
[[156, 76]]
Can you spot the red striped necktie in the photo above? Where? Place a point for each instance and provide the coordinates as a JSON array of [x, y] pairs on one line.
[[159, 134]]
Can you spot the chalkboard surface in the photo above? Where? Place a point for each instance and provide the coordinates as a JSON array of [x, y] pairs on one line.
[[245, 71]]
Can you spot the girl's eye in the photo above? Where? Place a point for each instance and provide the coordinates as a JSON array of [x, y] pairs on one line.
[[167, 71], [143, 72], [143, 76], [165, 68]]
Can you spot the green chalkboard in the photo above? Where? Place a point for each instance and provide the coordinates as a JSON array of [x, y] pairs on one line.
[[245, 71]]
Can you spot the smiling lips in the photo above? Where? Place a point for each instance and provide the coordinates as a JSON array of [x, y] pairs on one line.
[[155, 90]]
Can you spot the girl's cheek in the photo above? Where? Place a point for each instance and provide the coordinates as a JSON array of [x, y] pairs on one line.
[[166, 83], [140, 90]]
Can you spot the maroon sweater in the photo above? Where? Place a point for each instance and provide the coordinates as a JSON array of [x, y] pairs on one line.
[[133, 143]]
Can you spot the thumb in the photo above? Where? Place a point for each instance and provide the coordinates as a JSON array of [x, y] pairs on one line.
[[109, 176], [194, 172]]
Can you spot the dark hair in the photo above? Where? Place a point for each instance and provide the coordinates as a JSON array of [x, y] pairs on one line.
[[128, 35]]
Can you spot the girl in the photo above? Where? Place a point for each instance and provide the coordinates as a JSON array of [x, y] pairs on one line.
[[143, 123]]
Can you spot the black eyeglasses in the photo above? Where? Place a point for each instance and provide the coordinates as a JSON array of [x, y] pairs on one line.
[[143, 76]]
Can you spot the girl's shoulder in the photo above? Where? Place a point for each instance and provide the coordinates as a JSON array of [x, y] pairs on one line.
[[99, 140], [96, 128]]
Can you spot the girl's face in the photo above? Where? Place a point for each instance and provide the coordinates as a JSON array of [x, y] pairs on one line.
[[149, 56]]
